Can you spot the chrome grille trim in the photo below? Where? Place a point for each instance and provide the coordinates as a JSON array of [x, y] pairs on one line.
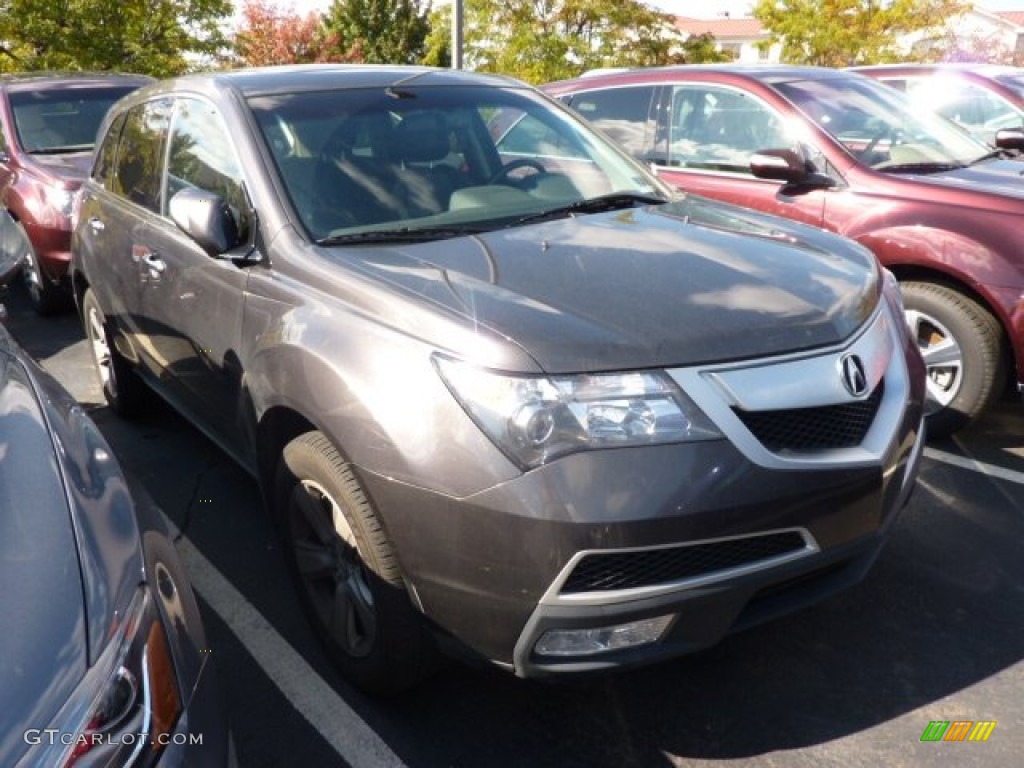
[[807, 380]]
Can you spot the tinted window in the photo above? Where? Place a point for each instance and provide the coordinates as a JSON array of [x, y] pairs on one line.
[[103, 168], [622, 113], [719, 128], [139, 163], [202, 156], [62, 120]]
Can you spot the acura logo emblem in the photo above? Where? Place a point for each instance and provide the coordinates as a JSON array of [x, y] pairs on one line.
[[854, 378]]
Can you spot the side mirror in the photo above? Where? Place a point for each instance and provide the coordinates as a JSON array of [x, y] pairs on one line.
[[206, 218], [1010, 138], [780, 165], [789, 166]]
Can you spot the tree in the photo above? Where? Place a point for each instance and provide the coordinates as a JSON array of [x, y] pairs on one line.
[[155, 37], [702, 48], [543, 40], [269, 36], [839, 33], [387, 31]]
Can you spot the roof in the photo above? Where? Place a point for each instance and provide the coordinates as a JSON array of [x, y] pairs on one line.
[[769, 74], [36, 80], [720, 28], [1014, 17], [318, 77]]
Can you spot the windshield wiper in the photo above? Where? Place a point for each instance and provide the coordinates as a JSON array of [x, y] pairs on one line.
[[405, 235], [613, 202], [60, 150], [929, 167], [996, 154]]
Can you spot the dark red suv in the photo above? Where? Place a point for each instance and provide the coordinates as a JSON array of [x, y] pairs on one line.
[[841, 151], [48, 125]]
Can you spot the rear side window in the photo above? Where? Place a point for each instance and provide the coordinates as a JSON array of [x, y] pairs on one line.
[[625, 114], [138, 167], [103, 168]]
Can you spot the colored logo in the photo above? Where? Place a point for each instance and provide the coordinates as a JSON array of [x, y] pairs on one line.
[[958, 730]]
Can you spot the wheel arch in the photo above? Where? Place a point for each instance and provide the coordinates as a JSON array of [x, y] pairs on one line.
[[918, 273]]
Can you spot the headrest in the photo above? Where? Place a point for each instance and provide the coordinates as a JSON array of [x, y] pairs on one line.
[[422, 137]]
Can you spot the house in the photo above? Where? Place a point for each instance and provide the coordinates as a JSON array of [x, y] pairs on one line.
[[998, 35]]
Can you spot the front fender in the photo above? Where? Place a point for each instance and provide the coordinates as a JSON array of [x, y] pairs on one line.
[[373, 392]]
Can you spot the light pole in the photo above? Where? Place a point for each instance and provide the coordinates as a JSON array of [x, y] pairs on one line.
[[456, 34]]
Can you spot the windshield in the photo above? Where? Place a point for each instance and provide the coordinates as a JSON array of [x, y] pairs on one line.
[[62, 120], [438, 161], [880, 127], [1014, 83]]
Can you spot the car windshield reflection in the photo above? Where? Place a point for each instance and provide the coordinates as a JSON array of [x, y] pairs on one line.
[[374, 165], [880, 127]]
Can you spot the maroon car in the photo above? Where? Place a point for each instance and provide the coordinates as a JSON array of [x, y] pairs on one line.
[[841, 151], [983, 98], [48, 125]]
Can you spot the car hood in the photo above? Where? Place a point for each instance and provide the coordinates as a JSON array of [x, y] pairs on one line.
[[43, 648], [73, 167], [1003, 177], [692, 281], [70, 553]]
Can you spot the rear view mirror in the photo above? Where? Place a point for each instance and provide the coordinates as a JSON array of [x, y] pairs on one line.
[[206, 218], [1010, 138]]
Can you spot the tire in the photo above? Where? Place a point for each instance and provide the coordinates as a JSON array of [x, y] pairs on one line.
[[47, 297], [123, 390], [346, 571], [962, 349]]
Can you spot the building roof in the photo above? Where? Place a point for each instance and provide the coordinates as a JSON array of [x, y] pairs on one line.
[[1014, 17]]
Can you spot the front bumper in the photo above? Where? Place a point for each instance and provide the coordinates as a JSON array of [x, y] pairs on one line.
[[499, 568]]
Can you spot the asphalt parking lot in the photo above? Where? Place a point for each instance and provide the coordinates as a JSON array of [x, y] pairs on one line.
[[936, 632]]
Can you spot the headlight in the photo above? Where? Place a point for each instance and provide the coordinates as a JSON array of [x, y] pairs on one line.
[[60, 200], [534, 419]]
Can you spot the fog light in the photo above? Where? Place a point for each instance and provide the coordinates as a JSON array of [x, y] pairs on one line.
[[585, 642]]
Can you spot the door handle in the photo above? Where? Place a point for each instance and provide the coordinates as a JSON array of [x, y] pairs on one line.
[[96, 224], [155, 264]]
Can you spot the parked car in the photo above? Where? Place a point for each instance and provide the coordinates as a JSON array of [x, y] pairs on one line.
[[103, 658], [521, 399], [983, 98], [48, 124], [841, 151]]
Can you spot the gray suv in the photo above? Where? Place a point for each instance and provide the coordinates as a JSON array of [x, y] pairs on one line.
[[504, 391]]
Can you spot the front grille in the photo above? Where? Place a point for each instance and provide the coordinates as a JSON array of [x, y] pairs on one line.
[[629, 570], [806, 430]]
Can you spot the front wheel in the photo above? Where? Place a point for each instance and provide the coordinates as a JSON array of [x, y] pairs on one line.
[[346, 570], [961, 345], [46, 297]]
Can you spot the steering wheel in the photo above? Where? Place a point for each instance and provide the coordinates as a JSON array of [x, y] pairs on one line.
[[512, 165], [886, 132]]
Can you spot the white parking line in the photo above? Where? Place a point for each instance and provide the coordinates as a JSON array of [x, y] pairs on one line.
[[965, 462], [357, 743]]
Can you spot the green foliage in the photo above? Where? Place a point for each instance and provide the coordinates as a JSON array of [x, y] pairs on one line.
[[839, 33], [385, 31], [438, 43], [543, 40], [146, 36], [702, 49]]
